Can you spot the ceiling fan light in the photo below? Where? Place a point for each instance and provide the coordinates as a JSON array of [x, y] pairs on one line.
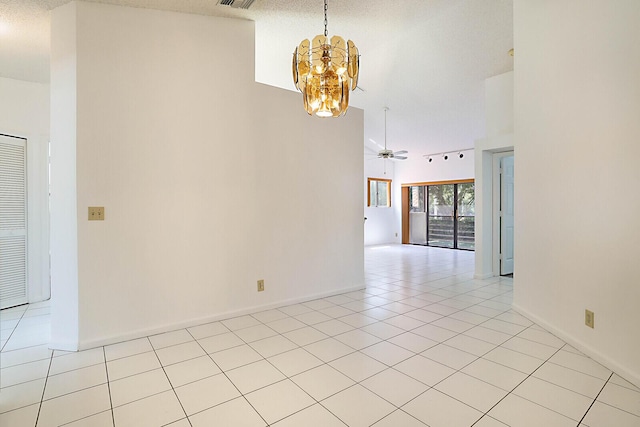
[[324, 70]]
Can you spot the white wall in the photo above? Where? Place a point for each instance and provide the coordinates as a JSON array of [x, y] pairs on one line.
[[577, 103], [382, 224], [24, 112], [498, 102], [64, 219], [210, 181]]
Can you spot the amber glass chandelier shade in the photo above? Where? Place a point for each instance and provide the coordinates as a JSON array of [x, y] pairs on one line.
[[325, 70]]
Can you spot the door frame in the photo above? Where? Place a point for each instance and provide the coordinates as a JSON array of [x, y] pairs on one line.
[[405, 214], [495, 208]]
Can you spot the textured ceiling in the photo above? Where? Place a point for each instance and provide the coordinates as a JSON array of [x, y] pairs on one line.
[[425, 59]]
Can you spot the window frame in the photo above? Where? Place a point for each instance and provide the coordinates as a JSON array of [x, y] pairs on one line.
[[377, 180]]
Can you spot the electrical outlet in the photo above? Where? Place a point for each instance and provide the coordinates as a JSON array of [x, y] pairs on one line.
[[589, 318], [96, 213], [260, 285]]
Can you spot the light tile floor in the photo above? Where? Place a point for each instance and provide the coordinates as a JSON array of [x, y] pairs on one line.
[[423, 344]]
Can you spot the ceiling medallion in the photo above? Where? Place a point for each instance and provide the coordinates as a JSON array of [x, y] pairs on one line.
[[324, 71]]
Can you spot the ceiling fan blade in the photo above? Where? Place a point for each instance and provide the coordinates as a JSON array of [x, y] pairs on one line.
[[401, 152], [379, 147], [399, 157]]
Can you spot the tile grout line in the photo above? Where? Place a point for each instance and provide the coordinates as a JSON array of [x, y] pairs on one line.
[[518, 385], [13, 330], [456, 370], [106, 370], [415, 354], [168, 380], [399, 409], [228, 379], [595, 399], [287, 377], [46, 379], [359, 351]]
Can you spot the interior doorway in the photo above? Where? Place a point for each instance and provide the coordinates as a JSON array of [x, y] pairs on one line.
[[503, 213]]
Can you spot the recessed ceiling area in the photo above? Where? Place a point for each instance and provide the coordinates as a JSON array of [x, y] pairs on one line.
[[425, 59]]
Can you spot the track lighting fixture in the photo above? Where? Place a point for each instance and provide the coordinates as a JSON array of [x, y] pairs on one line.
[[445, 155]]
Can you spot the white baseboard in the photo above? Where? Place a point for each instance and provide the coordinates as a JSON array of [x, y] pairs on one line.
[[623, 371], [140, 333], [483, 276], [63, 345]]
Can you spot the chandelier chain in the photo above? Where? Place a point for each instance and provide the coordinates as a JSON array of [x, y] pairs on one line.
[[326, 33]]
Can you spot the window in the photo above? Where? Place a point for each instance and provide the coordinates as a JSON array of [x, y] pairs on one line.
[[416, 199], [379, 192]]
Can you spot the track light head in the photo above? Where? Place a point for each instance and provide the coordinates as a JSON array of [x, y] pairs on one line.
[[446, 154]]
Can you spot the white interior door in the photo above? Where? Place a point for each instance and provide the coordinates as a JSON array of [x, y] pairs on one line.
[[506, 222], [13, 221]]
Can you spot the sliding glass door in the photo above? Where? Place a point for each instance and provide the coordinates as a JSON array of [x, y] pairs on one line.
[[417, 216], [440, 218], [465, 216], [447, 219]]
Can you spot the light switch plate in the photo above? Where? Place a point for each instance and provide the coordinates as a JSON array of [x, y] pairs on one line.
[[96, 213], [589, 318]]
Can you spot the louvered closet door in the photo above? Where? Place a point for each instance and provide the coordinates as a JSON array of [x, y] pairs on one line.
[[13, 221]]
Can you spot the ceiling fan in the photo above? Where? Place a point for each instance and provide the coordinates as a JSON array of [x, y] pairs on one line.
[[386, 153]]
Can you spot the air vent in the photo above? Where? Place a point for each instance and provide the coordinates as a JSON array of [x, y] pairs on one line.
[[238, 4]]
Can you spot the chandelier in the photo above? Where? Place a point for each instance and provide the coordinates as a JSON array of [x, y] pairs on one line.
[[324, 71]]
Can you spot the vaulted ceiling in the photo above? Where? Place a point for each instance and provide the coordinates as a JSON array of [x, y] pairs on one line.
[[425, 59]]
